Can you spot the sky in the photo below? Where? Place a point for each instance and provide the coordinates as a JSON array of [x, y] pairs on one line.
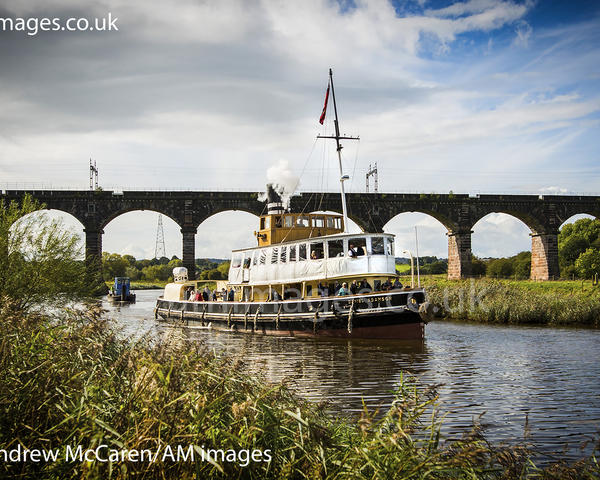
[[481, 96]]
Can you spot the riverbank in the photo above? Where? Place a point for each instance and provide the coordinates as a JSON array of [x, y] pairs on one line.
[[557, 303], [75, 382]]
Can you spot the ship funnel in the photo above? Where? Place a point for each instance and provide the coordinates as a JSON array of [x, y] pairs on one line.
[[274, 205]]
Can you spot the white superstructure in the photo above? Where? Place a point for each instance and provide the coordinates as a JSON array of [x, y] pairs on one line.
[[317, 258]]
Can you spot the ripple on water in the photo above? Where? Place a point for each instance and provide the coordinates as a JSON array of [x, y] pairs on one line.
[[546, 378]]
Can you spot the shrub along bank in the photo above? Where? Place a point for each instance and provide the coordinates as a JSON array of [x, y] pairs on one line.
[[515, 302], [74, 382]]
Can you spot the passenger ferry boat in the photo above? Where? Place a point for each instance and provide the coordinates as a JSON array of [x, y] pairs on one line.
[[307, 276]]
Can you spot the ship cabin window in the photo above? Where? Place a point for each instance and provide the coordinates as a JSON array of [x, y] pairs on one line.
[[277, 221], [288, 221], [247, 259], [302, 221], [377, 246], [330, 222], [263, 257], [357, 245], [302, 252], [255, 257], [274, 254], [318, 222], [335, 248], [390, 246], [292, 253], [236, 261], [265, 223], [338, 223], [283, 257], [316, 250]]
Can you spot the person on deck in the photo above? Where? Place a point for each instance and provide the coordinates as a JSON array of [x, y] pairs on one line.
[[231, 295], [214, 295], [387, 285], [397, 285], [205, 294], [354, 287], [343, 290], [197, 296], [365, 287], [352, 252], [323, 290]]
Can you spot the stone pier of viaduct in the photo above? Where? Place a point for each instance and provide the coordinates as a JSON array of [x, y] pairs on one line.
[[371, 211]]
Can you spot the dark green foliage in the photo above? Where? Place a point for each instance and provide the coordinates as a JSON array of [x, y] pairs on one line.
[[434, 268], [40, 261], [478, 266], [75, 382], [587, 264], [575, 240], [158, 270], [518, 267]]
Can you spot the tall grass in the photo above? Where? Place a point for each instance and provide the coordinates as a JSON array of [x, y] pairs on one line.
[[74, 381], [513, 302]]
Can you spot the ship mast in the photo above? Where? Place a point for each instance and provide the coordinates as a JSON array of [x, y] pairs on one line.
[[337, 138]]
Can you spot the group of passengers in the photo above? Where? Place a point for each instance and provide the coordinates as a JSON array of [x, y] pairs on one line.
[[355, 287], [353, 252], [206, 295]]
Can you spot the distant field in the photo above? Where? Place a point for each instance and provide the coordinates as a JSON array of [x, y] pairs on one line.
[[403, 268]]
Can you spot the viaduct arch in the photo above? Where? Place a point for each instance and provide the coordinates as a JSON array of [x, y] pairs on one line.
[[543, 214]]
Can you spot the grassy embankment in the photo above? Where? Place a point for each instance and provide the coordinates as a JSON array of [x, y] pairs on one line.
[[75, 382], [566, 302]]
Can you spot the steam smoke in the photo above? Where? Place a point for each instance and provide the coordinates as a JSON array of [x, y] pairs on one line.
[[283, 180]]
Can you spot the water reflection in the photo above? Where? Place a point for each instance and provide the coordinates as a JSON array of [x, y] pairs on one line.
[[548, 377]]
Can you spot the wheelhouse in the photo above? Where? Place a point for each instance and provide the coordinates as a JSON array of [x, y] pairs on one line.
[[282, 227]]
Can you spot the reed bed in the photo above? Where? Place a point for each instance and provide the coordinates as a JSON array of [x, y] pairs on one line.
[[73, 381], [494, 301]]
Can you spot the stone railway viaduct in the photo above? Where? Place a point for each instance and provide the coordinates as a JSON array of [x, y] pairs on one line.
[[371, 211]]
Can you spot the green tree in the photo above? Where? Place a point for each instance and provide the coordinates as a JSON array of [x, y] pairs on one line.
[[113, 265], [224, 269], [573, 240], [500, 267], [478, 266], [588, 263], [130, 259], [521, 264], [40, 260]]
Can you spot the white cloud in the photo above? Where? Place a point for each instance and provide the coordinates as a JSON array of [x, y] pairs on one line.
[[211, 94]]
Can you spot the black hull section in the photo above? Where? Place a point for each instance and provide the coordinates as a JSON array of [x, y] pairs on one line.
[[382, 315], [122, 299]]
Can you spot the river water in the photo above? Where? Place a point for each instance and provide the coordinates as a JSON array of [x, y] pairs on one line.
[[545, 378]]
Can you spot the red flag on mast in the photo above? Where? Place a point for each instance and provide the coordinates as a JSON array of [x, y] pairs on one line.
[[322, 119]]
